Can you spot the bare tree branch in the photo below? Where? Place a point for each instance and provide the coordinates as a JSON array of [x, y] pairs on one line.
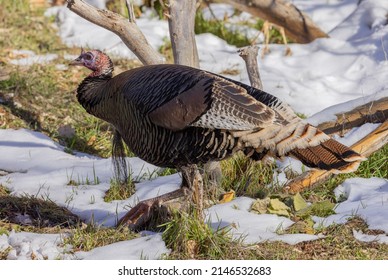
[[181, 22], [129, 32]]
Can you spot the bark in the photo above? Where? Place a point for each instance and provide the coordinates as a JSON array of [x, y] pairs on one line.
[[297, 25], [128, 31], [181, 22], [372, 112]]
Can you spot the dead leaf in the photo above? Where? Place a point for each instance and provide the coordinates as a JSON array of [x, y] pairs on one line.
[[303, 227], [228, 196], [321, 209], [298, 202], [91, 140], [260, 205], [279, 208]]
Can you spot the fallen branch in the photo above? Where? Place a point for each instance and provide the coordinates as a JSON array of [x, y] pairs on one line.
[[297, 25], [372, 112]]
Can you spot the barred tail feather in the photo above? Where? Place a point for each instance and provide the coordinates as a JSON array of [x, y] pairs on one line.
[[329, 155], [305, 142]]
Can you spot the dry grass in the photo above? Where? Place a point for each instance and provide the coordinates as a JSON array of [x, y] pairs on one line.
[[32, 211], [338, 244], [88, 237], [197, 241]]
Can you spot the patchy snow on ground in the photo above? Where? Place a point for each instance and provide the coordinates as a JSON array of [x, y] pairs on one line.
[[28, 245], [366, 198], [149, 247], [27, 58], [320, 79]]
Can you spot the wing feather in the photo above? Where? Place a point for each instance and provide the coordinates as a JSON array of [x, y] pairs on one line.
[[213, 102]]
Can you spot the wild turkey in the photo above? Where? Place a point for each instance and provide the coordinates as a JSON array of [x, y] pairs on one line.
[[178, 116]]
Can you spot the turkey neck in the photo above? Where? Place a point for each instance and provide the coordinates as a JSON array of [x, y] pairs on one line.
[[92, 94]]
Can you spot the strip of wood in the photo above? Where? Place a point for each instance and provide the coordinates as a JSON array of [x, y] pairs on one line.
[[375, 111]]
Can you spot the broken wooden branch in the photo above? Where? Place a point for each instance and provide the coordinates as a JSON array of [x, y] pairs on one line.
[[372, 112], [297, 25]]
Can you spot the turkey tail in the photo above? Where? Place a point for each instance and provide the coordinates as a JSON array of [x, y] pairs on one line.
[[305, 142], [329, 155]]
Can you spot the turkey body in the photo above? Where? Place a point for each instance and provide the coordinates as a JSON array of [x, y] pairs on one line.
[[127, 100], [173, 116]]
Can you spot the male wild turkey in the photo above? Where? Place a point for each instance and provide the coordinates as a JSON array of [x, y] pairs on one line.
[[177, 116]]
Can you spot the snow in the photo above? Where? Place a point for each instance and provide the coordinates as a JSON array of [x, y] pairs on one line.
[[365, 198], [27, 245], [218, 11], [321, 79], [250, 227], [327, 14], [146, 247], [29, 58], [380, 238]]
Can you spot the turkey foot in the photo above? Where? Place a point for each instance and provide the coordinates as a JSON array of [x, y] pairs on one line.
[[139, 214], [192, 183]]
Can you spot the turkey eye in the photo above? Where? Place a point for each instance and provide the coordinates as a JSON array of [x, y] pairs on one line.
[[88, 56]]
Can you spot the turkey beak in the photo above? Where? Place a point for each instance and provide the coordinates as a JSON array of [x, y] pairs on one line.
[[77, 61]]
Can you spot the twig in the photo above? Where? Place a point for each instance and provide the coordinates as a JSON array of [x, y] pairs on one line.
[[131, 12], [384, 50]]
